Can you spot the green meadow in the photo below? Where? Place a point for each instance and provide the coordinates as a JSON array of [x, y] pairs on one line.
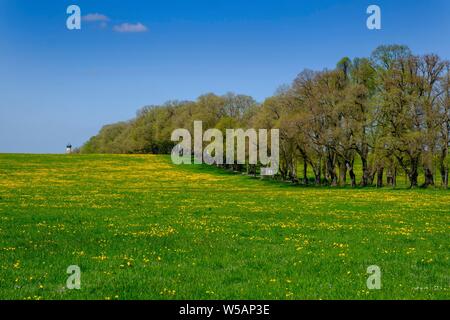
[[140, 227]]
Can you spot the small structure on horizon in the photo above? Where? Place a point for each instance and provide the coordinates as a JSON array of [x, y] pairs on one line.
[[68, 148]]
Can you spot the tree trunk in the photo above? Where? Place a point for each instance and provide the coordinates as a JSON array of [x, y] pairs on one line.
[[366, 173], [429, 178], [444, 168], [317, 178], [413, 178], [389, 177], [446, 178], [352, 173], [293, 171], [317, 172], [331, 169], [394, 177], [342, 173], [371, 177], [305, 171], [325, 172], [414, 173], [380, 172]]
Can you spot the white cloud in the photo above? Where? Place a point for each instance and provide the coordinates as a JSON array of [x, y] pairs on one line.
[[130, 27], [95, 17]]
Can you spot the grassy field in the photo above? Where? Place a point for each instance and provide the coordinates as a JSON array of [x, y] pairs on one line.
[[142, 228]]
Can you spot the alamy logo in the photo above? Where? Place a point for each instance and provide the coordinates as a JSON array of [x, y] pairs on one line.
[[74, 279], [73, 22], [374, 20], [374, 280], [235, 152]]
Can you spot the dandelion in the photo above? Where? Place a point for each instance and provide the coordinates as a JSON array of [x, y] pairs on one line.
[[101, 257]]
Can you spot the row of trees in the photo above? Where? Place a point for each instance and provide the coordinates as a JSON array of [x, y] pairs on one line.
[[389, 112]]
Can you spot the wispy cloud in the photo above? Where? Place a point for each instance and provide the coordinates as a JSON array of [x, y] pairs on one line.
[[95, 17], [102, 21], [130, 27]]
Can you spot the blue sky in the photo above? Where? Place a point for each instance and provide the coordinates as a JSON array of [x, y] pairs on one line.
[[60, 86]]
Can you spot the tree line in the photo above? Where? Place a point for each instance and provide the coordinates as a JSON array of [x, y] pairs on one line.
[[389, 112]]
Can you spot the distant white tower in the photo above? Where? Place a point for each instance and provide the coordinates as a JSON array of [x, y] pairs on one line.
[[68, 148]]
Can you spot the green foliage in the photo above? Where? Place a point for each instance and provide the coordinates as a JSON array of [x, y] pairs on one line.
[[390, 112]]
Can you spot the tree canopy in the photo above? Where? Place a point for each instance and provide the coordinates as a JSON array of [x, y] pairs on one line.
[[390, 111]]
